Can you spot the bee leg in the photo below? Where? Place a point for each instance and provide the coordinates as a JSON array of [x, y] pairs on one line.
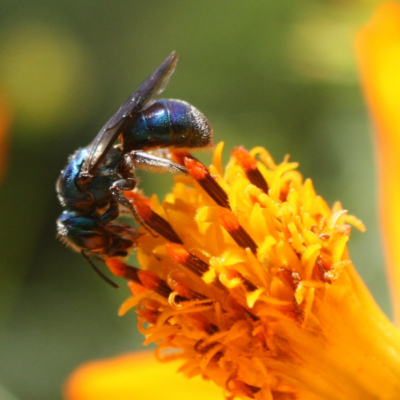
[[116, 190], [98, 272], [148, 162], [126, 184], [112, 213]]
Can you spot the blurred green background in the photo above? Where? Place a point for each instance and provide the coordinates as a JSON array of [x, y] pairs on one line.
[[280, 74]]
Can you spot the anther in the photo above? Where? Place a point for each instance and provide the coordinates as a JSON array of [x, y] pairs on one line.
[[200, 173], [292, 279], [202, 348], [292, 310], [251, 388], [178, 156], [249, 166], [181, 256], [147, 279], [236, 385], [137, 197], [152, 282], [284, 190], [200, 322], [250, 286], [151, 316], [323, 265], [156, 222], [298, 312], [230, 222], [183, 290]]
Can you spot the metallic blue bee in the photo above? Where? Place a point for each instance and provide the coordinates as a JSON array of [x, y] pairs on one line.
[[91, 187]]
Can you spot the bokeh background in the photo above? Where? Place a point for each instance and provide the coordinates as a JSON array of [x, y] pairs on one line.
[[280, 74]]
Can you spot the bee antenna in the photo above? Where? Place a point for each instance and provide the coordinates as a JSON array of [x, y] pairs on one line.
[[98, 272]]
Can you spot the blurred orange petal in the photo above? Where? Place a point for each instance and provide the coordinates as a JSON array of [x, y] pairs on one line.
[[136, 376], [378, 50], [5, 122]]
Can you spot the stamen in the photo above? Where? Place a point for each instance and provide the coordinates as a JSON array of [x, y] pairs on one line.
[[200, 173], [230, 222], [283, 395], [178, 156], [137, 197], [202, 323], [292, 310], [284, 191], [249, 165], [147, 279], [234, 385], [156, 222], [217, 357], [292, 279], [152, 282], [181, 256], [183, 289], [150, 316], [196, 169], [298, 311], [231, 303], [251, 390], [324, 265], [250, 286], [200, 348]]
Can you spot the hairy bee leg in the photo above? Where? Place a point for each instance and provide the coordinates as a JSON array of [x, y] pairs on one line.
[[148, 162]]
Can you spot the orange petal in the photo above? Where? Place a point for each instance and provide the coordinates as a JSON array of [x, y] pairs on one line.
[[136, 376], [378, 50], [5, 121]]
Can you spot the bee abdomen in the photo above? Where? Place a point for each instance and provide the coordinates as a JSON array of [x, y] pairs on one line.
[[168, 123]]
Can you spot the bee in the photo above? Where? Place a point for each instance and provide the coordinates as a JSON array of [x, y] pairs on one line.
[[91, 187]]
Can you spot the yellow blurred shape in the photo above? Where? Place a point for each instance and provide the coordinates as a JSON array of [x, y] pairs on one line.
[[136, 376], [320, 47], [42, 69]]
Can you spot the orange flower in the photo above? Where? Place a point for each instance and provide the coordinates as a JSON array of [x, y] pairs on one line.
[[378, 48], [248, 282]]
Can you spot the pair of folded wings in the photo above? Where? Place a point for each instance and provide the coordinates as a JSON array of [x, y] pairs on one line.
[[143, 97]]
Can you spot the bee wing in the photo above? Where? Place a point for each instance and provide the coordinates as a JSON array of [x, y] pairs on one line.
[[145, 95]]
